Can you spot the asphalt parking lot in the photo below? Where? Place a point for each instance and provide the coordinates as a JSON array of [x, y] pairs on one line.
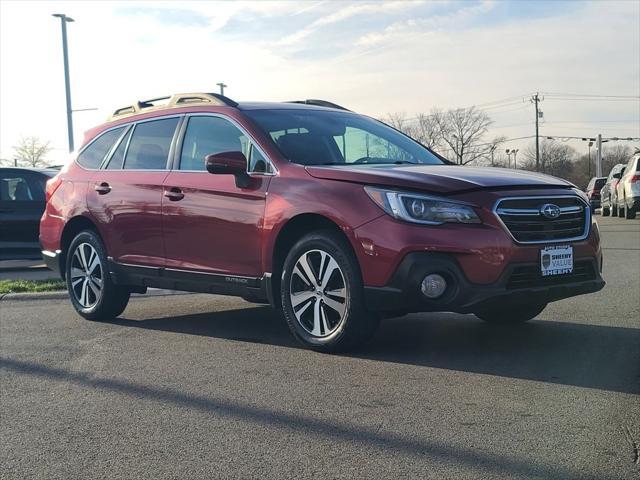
[[197, 386]]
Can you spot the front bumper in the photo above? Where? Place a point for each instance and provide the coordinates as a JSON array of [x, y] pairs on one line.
[[518, 285]]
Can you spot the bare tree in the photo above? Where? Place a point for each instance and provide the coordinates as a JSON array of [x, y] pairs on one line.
[[462, 131], [31, 151], [613, 155], [428, 131], [556, 158]]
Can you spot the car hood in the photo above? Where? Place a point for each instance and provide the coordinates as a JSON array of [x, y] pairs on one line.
[[437, 178]]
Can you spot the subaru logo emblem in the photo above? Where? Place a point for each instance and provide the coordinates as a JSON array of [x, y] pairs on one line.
[[550, 210]]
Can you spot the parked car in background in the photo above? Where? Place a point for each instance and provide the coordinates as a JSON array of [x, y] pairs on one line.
[[628, 189], [593, 191], [22, 202], [332, 217], [608, 199]]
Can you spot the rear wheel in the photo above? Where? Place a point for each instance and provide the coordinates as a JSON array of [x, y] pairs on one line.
[[322, 296], [92, 293], [605, 211], [506, 314], [614, 209]]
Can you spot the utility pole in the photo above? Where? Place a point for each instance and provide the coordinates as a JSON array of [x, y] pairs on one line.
[[222, 85], [492, 150], [599, 156], [65, 54], [590, 145], [536, 100]]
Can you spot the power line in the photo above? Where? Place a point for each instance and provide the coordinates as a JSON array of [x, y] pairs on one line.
[[588, 95]]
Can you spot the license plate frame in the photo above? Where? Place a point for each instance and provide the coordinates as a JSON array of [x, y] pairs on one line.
[[556, 260]]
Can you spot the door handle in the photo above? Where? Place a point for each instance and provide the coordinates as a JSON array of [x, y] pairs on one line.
[[174, 194], [103, 188]]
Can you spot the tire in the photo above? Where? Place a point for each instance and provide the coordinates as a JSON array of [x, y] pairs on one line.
[[92, 293], [630, 213], [614, 210], [507, 314], [605, 211], [621, 210], [329, 314]]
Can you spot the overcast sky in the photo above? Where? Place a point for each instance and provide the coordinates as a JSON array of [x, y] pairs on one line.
[[373, 57]]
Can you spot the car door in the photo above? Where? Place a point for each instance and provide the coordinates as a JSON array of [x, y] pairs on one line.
[[126, 193], [21, 205], [210, 224]]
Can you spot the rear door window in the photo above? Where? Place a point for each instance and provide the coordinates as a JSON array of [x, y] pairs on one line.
[[149, 145], [93, 155]]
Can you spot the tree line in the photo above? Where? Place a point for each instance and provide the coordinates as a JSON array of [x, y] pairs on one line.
[[461, 135]]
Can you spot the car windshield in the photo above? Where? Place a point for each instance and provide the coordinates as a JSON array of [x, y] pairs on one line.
[[325, 137]]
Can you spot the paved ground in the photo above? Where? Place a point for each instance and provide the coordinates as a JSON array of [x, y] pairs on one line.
[[196, 386]]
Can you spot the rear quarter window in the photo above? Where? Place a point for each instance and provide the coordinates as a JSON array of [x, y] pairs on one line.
[[93, 155]]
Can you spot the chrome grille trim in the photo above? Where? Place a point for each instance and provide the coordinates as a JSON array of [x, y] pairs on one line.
[[534, 214]]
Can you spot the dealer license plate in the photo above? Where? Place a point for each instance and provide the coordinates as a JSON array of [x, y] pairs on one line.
[[556, 260]]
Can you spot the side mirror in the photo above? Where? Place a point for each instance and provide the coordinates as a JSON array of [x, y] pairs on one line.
[[229, 163]]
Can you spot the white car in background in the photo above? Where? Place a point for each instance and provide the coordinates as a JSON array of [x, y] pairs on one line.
[[608, 192], [628, 189]]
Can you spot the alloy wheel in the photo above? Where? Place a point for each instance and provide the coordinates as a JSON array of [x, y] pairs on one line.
[[86, 275], [318, 293]]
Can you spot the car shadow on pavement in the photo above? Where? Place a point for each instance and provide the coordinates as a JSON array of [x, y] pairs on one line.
[[468, 457], [591, 356]]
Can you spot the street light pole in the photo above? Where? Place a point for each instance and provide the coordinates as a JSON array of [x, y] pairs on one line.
[[590, 145], [65, 54], [515, 161]]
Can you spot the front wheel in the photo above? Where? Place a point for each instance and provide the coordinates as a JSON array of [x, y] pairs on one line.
[[614, 210], [322, 295], [630, 213], [505, 315], [605, 211], [92, 293]]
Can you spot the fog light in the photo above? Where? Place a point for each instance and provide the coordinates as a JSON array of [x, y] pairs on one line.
[[433, 286]]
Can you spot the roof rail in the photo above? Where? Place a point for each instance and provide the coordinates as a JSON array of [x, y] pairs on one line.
[[320, 103], [174, 101]]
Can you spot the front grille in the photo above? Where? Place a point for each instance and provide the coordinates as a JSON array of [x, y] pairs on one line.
[[527, 224], [527, 276]]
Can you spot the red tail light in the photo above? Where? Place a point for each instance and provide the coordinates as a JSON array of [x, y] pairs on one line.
[[635, 178], [52, 186]]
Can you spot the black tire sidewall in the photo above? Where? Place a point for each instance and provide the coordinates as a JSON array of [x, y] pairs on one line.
[[355, 314], [112, 295]]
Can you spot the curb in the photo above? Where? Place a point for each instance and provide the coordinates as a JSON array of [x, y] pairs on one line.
[[62, 295]]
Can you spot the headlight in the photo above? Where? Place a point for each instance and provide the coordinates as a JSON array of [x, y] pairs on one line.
[[416, 208]]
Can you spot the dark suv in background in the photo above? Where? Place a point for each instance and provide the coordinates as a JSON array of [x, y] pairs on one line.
[[593, 191], [22, 202], [330, 216]]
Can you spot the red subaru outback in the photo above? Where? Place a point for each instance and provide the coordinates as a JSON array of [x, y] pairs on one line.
[[330, 216]]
